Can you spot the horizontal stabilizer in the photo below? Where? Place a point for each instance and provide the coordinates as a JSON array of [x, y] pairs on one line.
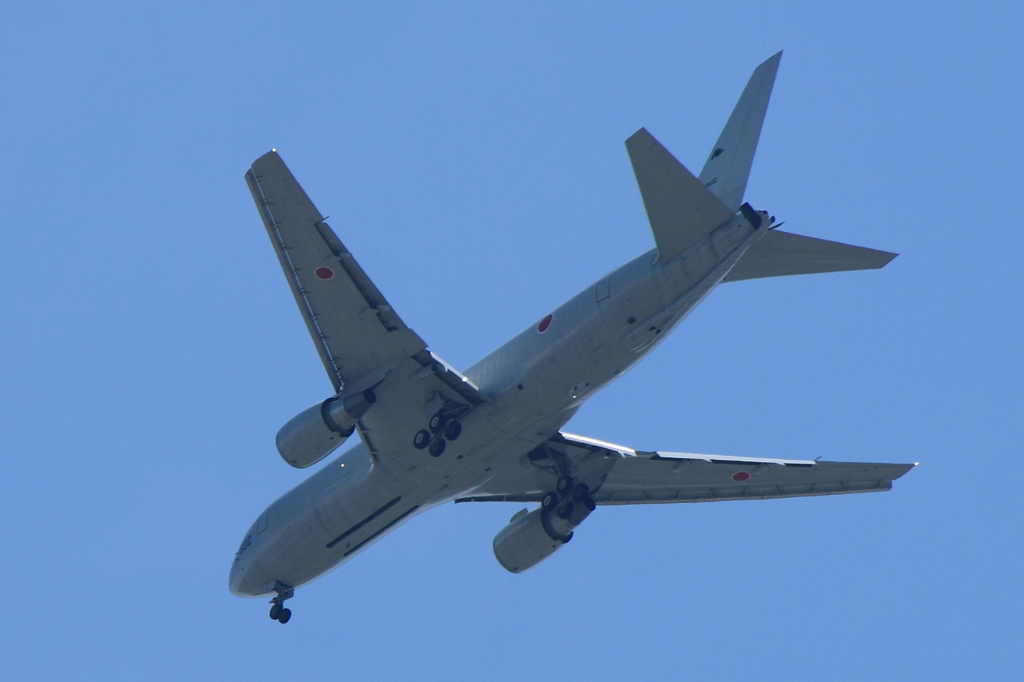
[[780, 254], [682, 212]]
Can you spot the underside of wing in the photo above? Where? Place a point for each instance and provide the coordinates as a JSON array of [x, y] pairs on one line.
[[616, 474], [671, 477], [779, 254], [355, 330], [415, 390]]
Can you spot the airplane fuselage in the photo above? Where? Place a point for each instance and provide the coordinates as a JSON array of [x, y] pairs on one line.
[[535, 383]]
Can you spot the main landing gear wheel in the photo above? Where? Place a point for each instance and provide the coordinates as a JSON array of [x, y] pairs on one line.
[[549, 501], [566, 509], [437, 422], [437, 447], [421, 439], [452, 430], [564, 486]]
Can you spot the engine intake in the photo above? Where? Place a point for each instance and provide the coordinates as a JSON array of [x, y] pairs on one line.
[[315, 432], [531, 537]]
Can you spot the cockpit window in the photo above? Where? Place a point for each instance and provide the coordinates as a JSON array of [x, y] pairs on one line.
[[244, 546]]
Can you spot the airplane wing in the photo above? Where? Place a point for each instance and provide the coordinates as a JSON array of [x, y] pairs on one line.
[[621, 475], [779, 254], [360, 338], [355, 330]]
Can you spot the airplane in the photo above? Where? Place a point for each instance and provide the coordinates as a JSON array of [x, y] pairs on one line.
[[430, 434]]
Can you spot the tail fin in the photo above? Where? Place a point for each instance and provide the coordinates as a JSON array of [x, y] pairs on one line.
[[726, 171], [680, 209]]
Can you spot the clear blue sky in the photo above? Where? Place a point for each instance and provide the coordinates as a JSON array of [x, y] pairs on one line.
[[471, 158]]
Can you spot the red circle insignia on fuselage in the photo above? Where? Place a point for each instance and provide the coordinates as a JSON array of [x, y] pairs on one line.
[[740, 476], [544, 324], [324, 273]]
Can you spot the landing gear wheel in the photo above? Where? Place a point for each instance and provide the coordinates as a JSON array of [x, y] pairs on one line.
[[421, 439], [452, 430], [437, 448], [437, 422], [580, 492], [564, 486], [277, 610], [565, 511], [549, 501]]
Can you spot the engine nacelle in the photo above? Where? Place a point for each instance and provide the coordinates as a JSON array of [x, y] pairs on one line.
[[315, 432], [531, 537]]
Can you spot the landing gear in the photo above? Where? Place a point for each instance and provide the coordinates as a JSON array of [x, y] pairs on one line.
[[280, 614], [437, 422], [442, 427], [421, 439], [452, 430], [568, 494], [278, 611]]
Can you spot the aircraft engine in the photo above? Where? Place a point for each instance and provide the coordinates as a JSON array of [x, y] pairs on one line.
[[531, 537], [315, 432]]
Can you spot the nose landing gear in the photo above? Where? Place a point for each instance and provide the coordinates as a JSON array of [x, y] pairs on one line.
[[278, 611]]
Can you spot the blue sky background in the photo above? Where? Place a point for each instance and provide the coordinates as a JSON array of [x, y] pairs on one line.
[[471, 158]]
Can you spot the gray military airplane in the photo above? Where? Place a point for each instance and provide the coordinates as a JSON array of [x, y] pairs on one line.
[[431, 434]]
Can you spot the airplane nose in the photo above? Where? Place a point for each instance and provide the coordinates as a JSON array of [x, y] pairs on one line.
[[235, 579]]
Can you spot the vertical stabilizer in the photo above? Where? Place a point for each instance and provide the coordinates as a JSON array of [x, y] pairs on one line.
[[726, 171]]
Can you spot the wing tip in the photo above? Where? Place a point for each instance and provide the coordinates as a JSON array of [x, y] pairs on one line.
[[888, 258], [906, 468]]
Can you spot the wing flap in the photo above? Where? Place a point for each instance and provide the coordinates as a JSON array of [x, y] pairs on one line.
[[779, 254]]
